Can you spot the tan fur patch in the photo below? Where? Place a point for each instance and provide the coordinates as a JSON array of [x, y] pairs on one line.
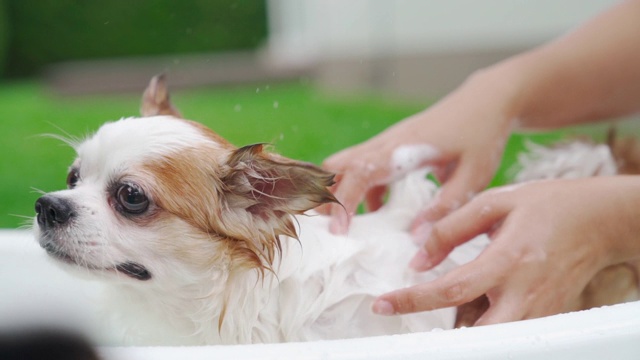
[[243, 196], [155, 99]]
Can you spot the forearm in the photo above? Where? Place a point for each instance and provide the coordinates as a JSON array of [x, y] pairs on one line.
[[590, 74]]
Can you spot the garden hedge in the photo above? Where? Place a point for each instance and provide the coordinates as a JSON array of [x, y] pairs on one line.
[[48, 31], [4, 36]]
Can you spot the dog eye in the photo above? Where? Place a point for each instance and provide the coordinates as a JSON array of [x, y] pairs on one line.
[[132, 199], [72, 179]]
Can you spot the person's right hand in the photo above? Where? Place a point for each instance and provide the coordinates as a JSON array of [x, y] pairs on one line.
[[462, 138], [549, 238]]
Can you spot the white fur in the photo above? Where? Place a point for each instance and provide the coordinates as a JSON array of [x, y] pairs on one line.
[[322, 286], [322, 289], [572, 160], [134, 140]]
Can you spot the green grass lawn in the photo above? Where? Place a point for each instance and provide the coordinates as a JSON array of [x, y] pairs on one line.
[[298, 120]]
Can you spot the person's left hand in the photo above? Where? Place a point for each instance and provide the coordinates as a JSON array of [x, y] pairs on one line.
[[549, 238]]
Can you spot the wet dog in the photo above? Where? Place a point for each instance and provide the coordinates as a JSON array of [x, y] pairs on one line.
[[203, 242]]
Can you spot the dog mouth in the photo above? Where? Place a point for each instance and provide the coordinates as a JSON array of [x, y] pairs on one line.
[[58, 254], [134, 270], [129, 268]]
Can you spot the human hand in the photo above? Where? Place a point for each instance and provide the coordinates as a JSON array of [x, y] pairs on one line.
[[548, 240], [461, 137]]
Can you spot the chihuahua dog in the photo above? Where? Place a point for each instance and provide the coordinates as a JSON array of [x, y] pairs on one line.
[[201, 242]]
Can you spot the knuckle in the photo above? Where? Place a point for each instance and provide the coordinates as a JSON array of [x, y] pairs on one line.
[[408, 301], [435, 211], [438, 238], [340, 162], [455, 293], [436, 235], [488, 196], [445, 205], [488, 202], [331, 162]]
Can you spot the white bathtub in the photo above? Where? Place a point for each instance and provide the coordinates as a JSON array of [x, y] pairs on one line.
[[35, 292]]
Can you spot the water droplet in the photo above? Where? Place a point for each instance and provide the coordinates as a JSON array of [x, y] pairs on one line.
[[237, 108]]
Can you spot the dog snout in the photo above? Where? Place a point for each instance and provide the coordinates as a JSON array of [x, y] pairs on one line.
[[53, 211]]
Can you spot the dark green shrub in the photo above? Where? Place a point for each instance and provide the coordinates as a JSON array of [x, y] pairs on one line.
[[4, 36], [44, 32]]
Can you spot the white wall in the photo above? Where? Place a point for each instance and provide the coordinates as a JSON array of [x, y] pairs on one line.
[[310, 30]]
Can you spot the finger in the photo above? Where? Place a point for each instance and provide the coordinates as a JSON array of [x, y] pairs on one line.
[[350, 193], [477, 217], [421, 233], [340, 220], [459, 286], [324, 209], [374, 197]]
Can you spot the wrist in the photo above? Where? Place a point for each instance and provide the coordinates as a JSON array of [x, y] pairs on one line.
[[625, 242], [502, 84], [532, 86]]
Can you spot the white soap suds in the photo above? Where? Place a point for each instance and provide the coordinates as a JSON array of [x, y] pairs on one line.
[[407, 158]]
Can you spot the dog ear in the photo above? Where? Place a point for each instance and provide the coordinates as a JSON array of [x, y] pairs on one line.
[[155, 99], [262, 191], [270, 186]]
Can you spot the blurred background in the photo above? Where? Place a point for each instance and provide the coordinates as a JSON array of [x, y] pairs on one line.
[[309, 76]]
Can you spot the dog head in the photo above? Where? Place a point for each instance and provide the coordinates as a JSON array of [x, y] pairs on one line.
[[163, 199]]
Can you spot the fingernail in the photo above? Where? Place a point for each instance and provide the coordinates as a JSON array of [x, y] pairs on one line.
[[383, 307], [420, 261], [421, 233]]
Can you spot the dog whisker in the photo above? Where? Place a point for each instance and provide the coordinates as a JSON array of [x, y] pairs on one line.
[[67, 138], [38, 191], [26, 223]]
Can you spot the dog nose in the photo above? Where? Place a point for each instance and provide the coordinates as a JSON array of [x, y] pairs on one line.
[[53, 211]]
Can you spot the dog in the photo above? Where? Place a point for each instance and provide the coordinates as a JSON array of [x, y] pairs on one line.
[[201, 242]]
